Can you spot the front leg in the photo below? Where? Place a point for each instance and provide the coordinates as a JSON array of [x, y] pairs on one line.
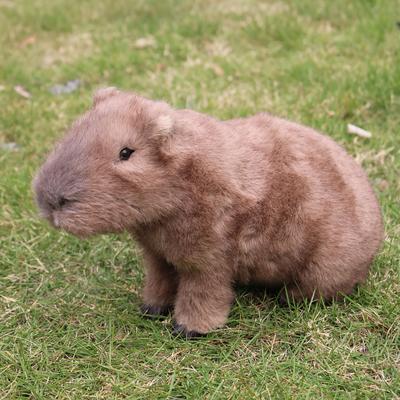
[[203, 301], [160, 285]]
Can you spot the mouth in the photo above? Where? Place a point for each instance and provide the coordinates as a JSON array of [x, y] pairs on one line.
[[55, 217], [56, 221], [52, 218], [82, 220], [75, 228]]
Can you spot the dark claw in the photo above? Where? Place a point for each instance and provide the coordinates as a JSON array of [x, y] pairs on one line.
[[154, 311], [180, 330], [283, 300]]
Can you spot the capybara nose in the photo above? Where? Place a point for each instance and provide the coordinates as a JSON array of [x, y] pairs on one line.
[[57, 203], [62, 201]]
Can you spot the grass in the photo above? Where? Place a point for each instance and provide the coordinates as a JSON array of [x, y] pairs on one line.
[[69, 325]]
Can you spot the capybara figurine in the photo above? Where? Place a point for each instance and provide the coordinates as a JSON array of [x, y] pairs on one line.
[[212, 203]]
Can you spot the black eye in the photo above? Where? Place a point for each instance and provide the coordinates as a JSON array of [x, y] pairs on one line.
[[125, 153]]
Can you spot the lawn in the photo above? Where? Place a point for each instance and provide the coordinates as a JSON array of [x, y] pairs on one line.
[[69, 321]]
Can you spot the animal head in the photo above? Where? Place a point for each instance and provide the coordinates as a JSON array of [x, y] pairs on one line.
[[111, 171]]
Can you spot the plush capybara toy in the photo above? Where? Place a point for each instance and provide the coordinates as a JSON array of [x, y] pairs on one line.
[[211, 203]]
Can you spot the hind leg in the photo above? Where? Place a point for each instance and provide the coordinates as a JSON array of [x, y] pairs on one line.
[[319, 283]]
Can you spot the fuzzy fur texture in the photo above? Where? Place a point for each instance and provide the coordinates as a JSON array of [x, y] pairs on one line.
[[256, 200]]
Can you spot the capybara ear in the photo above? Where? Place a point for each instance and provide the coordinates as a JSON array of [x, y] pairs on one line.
[[104, 93], [163, 134], [163, 126]]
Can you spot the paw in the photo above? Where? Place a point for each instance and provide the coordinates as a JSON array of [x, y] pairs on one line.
[[182, 331], [283, 300], [150, 311]]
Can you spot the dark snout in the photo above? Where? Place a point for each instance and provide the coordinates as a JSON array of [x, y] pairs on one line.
[[49, 201], [47, 198], [55, 190]]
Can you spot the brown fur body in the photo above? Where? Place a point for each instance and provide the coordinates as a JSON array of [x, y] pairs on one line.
[[254, 200]]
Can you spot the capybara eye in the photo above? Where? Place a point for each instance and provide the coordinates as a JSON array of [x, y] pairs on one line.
[[125, 153]]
